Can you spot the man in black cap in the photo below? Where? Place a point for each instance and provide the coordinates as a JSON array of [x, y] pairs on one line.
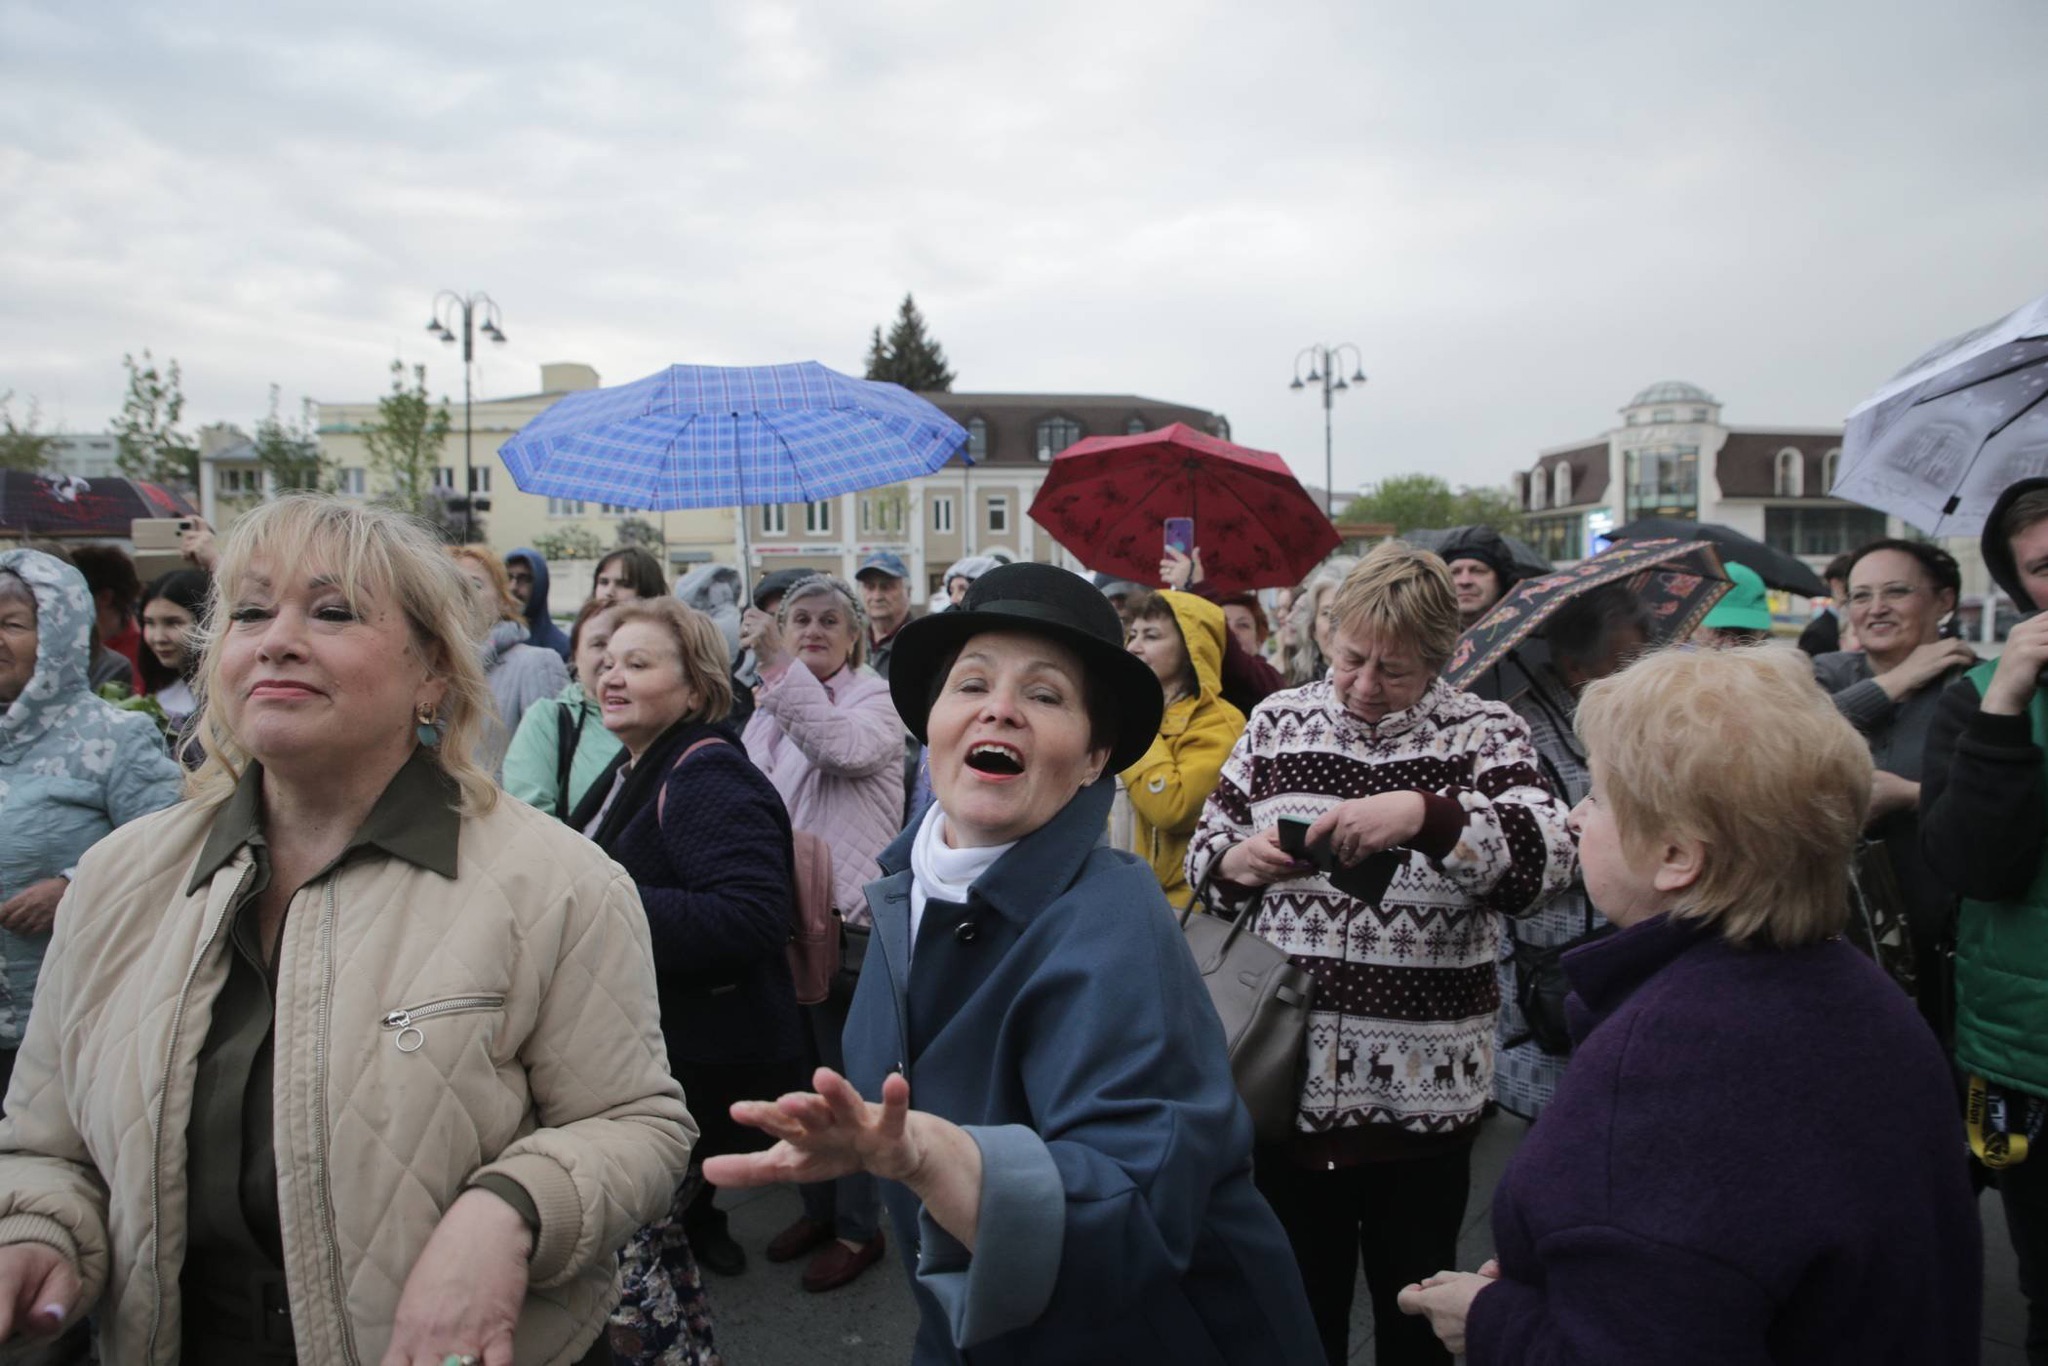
[[1482, 570]]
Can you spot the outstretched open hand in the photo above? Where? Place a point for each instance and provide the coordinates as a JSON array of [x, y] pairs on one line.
[[825, 1134]]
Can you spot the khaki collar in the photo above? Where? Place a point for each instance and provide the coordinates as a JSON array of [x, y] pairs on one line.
[[415, 819]]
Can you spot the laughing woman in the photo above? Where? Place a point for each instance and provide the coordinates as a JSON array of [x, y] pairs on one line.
[[1075, 1185]]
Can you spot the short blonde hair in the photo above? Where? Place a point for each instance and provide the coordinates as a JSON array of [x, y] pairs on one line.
[[501, 581], [856, 615], [700, 646], [371, 552], [1740, 750], [1400, 592]]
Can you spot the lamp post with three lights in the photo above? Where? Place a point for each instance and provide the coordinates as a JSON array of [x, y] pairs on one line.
[[478, 312], [1323, 361]]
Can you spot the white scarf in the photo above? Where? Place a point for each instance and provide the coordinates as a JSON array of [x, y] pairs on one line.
[[937, 870]]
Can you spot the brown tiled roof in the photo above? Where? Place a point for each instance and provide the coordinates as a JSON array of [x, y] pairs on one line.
[[1012, 419], [1748, 463], [1589, 472]]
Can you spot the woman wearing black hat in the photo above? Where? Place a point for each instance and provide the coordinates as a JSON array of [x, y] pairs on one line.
[[1075, 1184]]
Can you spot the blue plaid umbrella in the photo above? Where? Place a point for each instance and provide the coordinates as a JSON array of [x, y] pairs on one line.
[[703, 436]]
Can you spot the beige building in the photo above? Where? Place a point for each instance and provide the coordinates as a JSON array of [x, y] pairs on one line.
[[929, 521]]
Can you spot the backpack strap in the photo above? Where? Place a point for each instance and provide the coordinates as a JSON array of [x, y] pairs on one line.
[[566, 741], [661, 793]]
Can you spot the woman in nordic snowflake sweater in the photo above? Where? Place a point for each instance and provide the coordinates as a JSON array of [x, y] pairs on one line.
[[1384, 756]]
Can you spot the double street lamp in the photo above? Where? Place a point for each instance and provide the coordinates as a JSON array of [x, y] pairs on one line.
[[1324, 362], [477, 312]]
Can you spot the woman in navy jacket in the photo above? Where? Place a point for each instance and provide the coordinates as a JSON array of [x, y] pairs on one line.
[[1755, 1156], [1075, 1184]]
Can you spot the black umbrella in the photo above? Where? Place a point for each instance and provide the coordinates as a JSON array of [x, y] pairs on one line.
[[1778, 570], [1528, 561]]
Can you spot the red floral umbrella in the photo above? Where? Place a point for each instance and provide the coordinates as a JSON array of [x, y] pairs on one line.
[[1108, 498], [1677, 581], [65, 505]]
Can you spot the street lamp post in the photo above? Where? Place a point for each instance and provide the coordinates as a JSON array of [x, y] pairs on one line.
[[449, 306], [1323, 360]]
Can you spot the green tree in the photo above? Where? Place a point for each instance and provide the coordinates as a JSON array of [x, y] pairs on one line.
[[23, 446], [289, 452], [570, 543], [1417, 502], [911, 357], [405, 443], [150, 444], [638, 531]]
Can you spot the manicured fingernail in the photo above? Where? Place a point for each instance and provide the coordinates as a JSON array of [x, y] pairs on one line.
[[53, 1312]]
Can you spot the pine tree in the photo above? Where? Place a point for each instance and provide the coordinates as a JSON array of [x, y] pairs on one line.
[[911, 357]]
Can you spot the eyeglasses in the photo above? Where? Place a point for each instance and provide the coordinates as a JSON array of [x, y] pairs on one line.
[[1892, 594]]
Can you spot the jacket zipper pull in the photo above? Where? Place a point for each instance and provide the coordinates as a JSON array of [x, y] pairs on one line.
[[401, 1020]]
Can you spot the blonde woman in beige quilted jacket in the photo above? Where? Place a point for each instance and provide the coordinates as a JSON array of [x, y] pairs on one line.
[[344, 1060]]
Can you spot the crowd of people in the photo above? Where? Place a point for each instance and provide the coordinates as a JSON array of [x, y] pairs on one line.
[[333, 862]]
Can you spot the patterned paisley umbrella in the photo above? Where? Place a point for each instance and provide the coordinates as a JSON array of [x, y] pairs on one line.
[[1108, 498], [1678, 581]]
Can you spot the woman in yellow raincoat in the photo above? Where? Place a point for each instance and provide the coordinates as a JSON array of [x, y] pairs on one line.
[[1181, 637]]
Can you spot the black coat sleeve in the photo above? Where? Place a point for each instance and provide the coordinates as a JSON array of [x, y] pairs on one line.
[[1982, 805]]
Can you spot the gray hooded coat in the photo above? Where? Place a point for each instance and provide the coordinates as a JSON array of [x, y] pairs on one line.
[[71, 767]]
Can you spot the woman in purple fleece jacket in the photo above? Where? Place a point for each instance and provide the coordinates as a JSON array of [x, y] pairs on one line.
[[1755, 1156]]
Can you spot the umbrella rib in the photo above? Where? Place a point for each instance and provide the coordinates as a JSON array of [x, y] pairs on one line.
[[1955, 497]]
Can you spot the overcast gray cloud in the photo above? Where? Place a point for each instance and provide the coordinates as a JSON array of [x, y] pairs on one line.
[[1521, 214]]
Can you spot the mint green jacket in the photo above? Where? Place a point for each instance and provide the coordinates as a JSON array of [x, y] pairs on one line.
[[532, 761]]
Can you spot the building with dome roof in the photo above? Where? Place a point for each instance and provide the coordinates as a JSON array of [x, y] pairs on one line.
[[1672, 456]]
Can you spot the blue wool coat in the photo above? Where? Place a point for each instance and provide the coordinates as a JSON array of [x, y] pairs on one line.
[[1058, 1017], [1755, 1157]]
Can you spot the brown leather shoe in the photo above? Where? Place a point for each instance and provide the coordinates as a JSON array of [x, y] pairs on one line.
[[836, 1264], [799, 1238]]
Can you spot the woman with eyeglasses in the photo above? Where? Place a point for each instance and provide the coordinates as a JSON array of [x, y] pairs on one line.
[[1900, 592]]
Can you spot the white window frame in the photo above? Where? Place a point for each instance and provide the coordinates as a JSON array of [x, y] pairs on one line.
[[1788, 462], [1830, 468], [867, 516], [351, 480], [999, 514], [479, 478], [444, 477], [1561, 485], [818, 518], [1539, 490], [774, 519], [942, 515], [565, 507]]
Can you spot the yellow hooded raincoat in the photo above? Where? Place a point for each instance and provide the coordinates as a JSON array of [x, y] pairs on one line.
[[1168, 786]]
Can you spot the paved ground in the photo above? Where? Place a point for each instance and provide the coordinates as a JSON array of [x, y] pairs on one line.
[[764, 1317]]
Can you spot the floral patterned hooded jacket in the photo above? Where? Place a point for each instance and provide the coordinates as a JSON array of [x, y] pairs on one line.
[[71, 767]]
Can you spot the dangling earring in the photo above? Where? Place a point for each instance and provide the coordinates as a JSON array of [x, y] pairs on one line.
[[428, 734]]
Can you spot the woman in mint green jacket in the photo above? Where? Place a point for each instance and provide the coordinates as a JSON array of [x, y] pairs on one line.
[[567, 725]]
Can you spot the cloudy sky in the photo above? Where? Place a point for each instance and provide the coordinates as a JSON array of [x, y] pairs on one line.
[[1521, 214]]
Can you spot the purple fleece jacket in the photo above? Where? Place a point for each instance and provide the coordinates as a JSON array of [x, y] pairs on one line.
[[1755, 1156]]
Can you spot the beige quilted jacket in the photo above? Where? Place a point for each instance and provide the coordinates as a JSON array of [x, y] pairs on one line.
[[538, 1054]]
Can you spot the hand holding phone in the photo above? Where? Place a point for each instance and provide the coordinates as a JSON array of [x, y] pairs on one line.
[[1180, 534]]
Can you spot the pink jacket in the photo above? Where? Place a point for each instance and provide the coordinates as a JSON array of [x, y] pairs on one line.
[[834, 750]]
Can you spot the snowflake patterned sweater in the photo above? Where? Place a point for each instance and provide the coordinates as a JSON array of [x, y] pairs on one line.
[[1401, 1033]]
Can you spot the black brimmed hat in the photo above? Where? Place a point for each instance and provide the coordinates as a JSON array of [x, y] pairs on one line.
[[1036, 599]]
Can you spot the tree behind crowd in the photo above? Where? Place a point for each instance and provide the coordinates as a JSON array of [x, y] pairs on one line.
[[911, 356]]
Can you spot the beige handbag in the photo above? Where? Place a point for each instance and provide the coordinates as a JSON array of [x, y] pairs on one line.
[[1263, 1001]]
